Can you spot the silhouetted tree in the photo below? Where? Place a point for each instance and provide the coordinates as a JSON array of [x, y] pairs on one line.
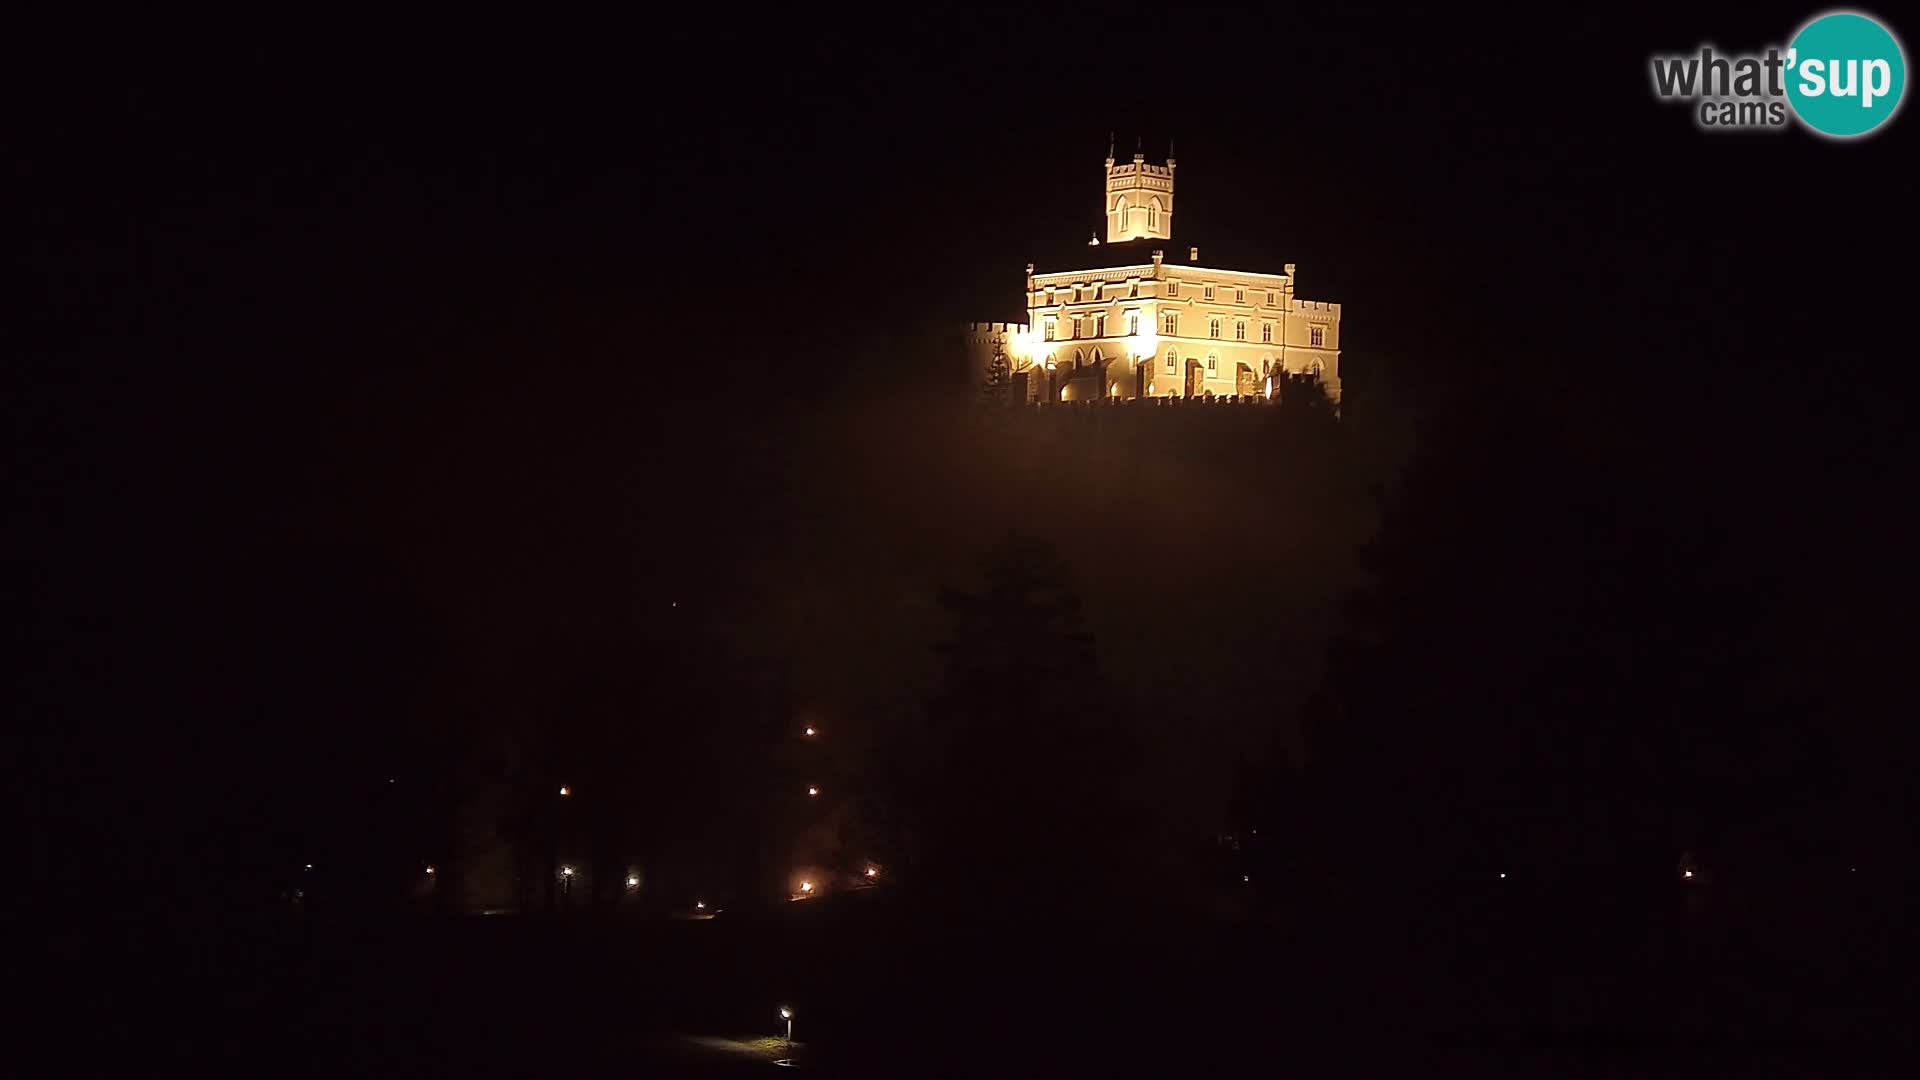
[[999, 377], [1025, 792], [1557, 669]]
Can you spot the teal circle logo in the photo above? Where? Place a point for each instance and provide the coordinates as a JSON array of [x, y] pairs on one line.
[[1845, 74]]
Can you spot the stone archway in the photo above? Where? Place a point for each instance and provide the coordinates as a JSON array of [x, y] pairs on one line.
[[1196, 378]]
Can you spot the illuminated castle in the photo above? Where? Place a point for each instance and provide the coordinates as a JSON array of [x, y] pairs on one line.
[[1141, 325]]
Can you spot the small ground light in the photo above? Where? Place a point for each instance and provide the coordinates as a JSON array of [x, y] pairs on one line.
[[1246, 877], [812, 790], [309, 866], [431, 871], [873, 871], [565, 791], [1686, 873], [699, 905], [809, 729], [633, 882], [566, 871], [806, 886], [1503, 875]]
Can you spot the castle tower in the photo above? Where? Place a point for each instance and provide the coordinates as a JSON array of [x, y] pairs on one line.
[[1139, 199]]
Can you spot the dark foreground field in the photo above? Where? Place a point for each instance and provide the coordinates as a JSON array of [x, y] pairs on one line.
[[885, 986]]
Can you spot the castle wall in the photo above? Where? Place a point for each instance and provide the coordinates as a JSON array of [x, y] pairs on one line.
[[1258, 300]]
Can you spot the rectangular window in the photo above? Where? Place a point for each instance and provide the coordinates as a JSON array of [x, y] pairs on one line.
[[1266, 332], [1099, 326], [1051, 325], [1240, 330], [1317, 336], [1133, 325], [1269, 297], [1170, 361], [1206, 293], [1133, 289], [1213, 363], [1213, 328], [1173, 288], [1170, 324], [1076, 327], [1239, 296]]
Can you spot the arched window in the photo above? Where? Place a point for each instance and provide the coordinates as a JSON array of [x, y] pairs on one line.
[[1079, 357], [1120, 214], [1213, 361], [1153, 214], [1173, 360], [1315, 368], [1213, 328], [1170, 323], [1096, 358], [1240, 330]]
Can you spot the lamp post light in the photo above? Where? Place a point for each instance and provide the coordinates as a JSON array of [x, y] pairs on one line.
[[812, 791], [787, 1015], [565, 791]]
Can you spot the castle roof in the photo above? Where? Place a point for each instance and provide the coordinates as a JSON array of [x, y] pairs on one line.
[[1066, 258]]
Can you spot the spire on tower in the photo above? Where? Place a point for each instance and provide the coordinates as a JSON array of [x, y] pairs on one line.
[[1109, 147]]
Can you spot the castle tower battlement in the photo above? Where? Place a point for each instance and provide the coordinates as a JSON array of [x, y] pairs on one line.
[[1139, 199]]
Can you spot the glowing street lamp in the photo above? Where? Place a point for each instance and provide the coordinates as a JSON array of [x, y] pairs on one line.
[[812, 791], [787, 1015], [806, 887], [565, 791], [699, 905], [431, 871], [633, 881], [873, 872], [566, 871], [809, 731]]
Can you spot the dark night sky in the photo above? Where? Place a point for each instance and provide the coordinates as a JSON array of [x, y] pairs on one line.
[[373, 334]]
